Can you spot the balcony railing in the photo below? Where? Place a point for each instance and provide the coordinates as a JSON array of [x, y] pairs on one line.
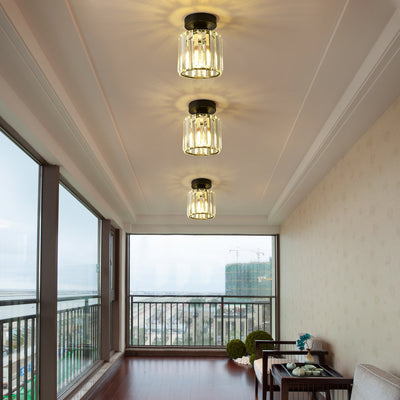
[[199, 321], [78, 342], [78, 338], [18, 362]]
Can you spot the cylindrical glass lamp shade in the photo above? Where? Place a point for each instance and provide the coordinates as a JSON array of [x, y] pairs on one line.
[[200, 54], [202, 135], [201, 204]]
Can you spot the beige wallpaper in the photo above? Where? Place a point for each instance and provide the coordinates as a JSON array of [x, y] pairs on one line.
[[340, 255]]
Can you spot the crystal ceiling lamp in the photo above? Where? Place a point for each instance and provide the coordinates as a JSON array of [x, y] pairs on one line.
[[200, 49], [202, 129], [201, 200]]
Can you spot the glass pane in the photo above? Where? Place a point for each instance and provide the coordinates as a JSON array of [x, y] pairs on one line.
[[78, 315], [190, 264], [78, 272], [19, 180]]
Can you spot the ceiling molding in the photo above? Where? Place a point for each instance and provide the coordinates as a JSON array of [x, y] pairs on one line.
[[18, 33], [307, 95], [202, 230], [374, 66], [180, 224], [105, 100]]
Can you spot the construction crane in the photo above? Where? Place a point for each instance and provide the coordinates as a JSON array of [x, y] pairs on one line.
[[258, 252]]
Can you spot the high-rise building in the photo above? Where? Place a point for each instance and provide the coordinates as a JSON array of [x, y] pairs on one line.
[[249, 279]]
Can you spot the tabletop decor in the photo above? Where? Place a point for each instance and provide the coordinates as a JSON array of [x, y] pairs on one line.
[[305, 342]]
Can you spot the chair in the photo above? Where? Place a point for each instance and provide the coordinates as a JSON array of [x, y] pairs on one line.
[[258, 362], [372, 383], [284, 351]]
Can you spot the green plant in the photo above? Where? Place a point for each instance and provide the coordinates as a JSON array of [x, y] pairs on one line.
[[252, 358], [304, 341], [235, 348], [258, 335]]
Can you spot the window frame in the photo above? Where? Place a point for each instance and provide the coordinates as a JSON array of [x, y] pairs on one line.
[[275, 311]]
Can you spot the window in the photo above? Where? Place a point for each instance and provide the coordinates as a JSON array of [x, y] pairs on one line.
[[200, 289], [78, 315], [19, 180], [76, 343], [195, 264]]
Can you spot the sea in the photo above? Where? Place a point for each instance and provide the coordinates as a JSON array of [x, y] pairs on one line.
[[10, 309]]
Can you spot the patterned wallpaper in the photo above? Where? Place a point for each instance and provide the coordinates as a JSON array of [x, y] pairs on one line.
[[340, 255]]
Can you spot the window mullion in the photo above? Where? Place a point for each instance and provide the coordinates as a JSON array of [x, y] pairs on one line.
[[48, 283]]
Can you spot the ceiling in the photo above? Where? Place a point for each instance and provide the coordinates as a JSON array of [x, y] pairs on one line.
[[92, 86]]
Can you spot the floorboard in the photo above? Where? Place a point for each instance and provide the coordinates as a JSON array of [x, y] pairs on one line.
[[186, 378]]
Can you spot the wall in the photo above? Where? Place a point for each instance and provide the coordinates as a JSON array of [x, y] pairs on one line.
[[340, 255]]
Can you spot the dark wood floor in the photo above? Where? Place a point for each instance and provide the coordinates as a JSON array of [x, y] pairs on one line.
[[170, 378]]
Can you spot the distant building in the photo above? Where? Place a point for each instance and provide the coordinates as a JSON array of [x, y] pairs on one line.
[[249, 279]]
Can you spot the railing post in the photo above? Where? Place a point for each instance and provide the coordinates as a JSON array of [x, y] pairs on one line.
[[86, 344], [222, 320]]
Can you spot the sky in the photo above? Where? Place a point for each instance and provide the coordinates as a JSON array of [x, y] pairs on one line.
[[77, 245], [192, 264]]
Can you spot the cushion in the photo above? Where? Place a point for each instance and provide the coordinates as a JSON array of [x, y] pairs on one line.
[[258, 365], [372, 383]]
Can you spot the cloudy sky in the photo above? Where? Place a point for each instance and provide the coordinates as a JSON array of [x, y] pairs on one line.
[[190, 264]]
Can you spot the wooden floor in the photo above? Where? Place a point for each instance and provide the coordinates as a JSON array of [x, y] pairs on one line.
[[183, 378]]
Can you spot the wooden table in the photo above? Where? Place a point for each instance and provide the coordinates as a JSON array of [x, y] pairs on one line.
[[330, 380]]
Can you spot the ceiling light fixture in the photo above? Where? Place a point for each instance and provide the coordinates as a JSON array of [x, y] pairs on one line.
[[202, 129], [201, 200], [200, 49]]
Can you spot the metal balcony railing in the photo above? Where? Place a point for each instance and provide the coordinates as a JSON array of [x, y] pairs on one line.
[[18, 362], [78, 338], [199, 321], [78, 343]]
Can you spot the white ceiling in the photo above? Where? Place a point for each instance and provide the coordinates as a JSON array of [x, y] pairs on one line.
[[92, 86]]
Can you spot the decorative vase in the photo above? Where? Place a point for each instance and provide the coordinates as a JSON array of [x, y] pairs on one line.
[[309, 359]]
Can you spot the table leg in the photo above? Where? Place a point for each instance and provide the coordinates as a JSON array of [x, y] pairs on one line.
[[328, 395], [271, 387], [349, 392], [284, 392], [256, 387]]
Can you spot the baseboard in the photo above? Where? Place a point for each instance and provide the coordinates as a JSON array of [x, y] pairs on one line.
[[175, 352], [95, 390]]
